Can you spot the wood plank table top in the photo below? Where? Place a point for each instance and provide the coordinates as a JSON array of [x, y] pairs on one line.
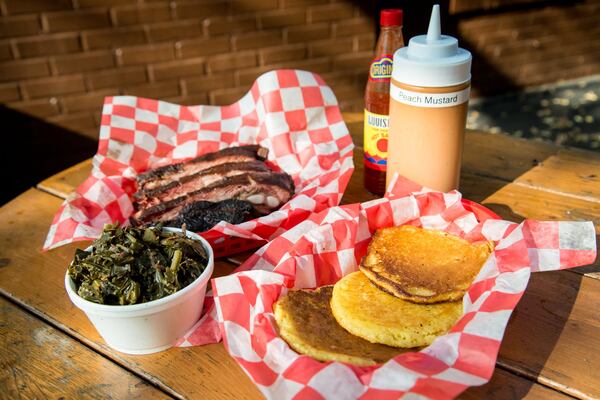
[[50, 349]]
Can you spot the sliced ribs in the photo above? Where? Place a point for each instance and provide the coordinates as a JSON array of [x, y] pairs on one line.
[[160, 176], [267, 191], [233, 184], [175, 188]]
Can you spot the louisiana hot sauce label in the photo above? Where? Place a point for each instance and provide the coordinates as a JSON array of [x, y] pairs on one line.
[[381, 69], [376, 140]]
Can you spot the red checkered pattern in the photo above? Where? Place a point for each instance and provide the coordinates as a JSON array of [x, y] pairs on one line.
[[292, 113], [330, 244]]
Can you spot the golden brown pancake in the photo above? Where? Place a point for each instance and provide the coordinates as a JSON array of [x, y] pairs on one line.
[[305, 322], [372, 314], [421, 265]]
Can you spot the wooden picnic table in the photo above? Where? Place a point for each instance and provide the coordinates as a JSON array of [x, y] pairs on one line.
[[48, 348]]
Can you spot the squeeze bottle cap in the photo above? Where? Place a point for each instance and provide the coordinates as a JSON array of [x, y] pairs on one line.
[[432, 60]]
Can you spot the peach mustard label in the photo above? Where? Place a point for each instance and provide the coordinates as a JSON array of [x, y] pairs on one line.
[[431, 100]]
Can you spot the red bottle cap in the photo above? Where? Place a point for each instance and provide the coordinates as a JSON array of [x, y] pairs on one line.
[[391, 17]]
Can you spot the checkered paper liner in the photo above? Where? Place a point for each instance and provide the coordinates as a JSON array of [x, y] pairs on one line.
[[292, 113], [330, 244]]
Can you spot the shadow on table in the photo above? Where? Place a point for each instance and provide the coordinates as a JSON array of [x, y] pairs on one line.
[[476, 188], [505, 212], [537, 324], [530, 338], [33, 150], [592, 270], [533, 330]]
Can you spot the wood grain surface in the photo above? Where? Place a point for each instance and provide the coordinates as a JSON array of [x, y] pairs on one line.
[[572, 173], [40, 362], [209, 371], [553, 334], [35, 280], [66, 181], [550, 339], [503, 385]]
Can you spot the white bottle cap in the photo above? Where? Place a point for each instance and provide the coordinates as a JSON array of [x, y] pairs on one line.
[[432, 60]]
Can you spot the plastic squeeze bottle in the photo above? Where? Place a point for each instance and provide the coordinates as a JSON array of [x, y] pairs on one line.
[[429, 95], [377, 100]]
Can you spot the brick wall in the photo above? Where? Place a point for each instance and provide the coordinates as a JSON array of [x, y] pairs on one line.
[[59, 58], [539, 44]]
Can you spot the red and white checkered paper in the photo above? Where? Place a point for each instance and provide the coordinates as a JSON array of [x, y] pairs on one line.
[[292, 113], [330, 244]]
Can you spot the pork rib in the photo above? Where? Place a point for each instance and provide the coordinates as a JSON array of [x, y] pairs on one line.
[[267, 191], [159, 176], [190, 183], [203, 215]]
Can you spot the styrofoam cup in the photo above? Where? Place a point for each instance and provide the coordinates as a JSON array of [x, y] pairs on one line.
[[153, 326]]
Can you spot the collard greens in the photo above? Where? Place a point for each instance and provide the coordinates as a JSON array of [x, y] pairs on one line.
[[135, 265]]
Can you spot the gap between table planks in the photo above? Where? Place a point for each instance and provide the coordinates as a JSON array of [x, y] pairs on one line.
[[39, 361], [34, 280]]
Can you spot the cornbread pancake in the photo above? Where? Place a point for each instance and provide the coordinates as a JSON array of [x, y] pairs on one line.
[[305, 322], [421, 265], [372, 314]]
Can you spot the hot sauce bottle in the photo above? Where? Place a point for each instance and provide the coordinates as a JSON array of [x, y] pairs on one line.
[[377, 100]]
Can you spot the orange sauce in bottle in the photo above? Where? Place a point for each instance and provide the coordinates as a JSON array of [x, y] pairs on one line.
[[377, 101], [429, 95]]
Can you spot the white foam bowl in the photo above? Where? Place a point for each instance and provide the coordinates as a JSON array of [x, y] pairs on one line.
[[153, 326]]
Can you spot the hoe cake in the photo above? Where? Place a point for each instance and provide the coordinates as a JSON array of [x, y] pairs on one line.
[[374, 315], [305, 322], [421, 265]]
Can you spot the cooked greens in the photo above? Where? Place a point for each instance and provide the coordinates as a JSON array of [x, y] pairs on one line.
[[134, 265]]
